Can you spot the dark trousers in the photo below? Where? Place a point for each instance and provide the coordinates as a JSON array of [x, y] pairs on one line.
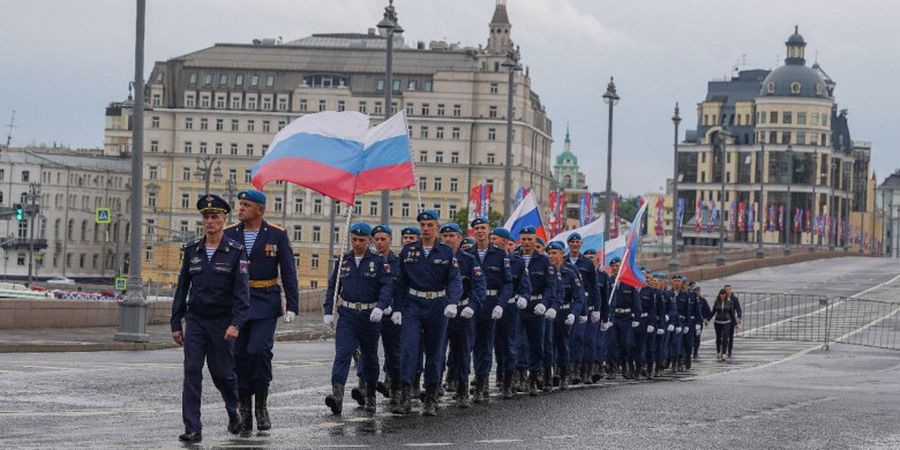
[[390, 343], [253, 355], [661, 341], [697, 339], [204, 341], [459, 333], [354, 330], [562, 339], [482, 351], [532, 332], [724, 337], [505, 339], [641, 343], [676, 344], [576, 349], [589, 342], [424, 327], [623, 339]]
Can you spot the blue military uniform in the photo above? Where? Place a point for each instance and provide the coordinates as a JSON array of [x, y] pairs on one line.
[[602, 336], [706, 314], [584, 332], [269, 255], [364, 286], [505, 333], [212, 294], [645, 334], [666, 314], [570, 291], [683, 327], [542, 275], [427, 283], [626, 308]]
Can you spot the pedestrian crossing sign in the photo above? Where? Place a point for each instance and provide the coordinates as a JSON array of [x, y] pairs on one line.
[[121, 283], [102, 215]]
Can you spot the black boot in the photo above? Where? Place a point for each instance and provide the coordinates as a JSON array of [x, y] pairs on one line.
[[191, 437], [417, 388], [521, 384], [359, 392], [246, 408], [235, 420], [403, 404], [395, 393], [262, 410], [486, 390], [597, 372], [586, 373], [335, 401], [507, 386], [370, 398], [687, 362], [640, 370], [382, 387], [478, 395], [547, 382], [429, 408], [533, 384], [576, 373], [563, 378], [650, 370], [462, 394], [610, 371]]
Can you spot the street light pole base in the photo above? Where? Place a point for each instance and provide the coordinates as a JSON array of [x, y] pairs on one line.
[[787, 251], [133, 317], [673, 266], [760, 253], [720, 260]]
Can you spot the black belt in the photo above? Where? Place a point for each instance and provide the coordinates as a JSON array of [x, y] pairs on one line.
[[464, 302]]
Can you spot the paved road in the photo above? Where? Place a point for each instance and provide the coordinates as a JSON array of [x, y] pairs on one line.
[[775, 394]]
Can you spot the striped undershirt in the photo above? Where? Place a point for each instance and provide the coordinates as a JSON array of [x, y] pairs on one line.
[[249, 240]]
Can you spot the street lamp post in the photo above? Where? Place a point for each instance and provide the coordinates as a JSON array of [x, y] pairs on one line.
[[673, 263], [790, 210], [231, 190], [610, 98], [884, 243], [814, 208], [390, 26], [831, 233], [133, 309], [720, 259], [34, 192], [512, 65], [761, 166]]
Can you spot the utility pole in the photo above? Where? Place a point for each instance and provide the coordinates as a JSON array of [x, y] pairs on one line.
[[34, 190]]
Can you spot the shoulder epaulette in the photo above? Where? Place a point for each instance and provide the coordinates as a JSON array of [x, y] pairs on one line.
[[190, 244], [275, 226], [234, 225], [235, 244]]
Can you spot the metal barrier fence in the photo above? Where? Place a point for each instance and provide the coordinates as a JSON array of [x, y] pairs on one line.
[[819, 319]]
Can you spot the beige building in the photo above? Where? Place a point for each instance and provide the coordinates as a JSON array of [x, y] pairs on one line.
[[225, 103]]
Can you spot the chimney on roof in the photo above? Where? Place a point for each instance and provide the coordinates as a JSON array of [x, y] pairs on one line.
[[372, 32]]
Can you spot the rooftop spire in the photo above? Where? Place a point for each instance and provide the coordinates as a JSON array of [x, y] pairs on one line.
[[500, 15], [568, 141]]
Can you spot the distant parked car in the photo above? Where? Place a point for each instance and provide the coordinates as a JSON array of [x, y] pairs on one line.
[[60, 280]]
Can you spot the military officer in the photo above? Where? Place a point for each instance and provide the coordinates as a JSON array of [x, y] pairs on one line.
[[570, 293], [409, 235], [665, 314], [507, 325], [645, 334], [542, 276], [682, 325], [591, 356], [364, 292], [693, 326], [626, 307], [601, 336], [212, 298], [269, 254], [460, 329], [428, 292], [583, 333]]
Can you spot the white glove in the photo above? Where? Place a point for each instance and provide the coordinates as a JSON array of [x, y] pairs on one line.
[[685, 330], [677, 329], [497, 313], [650, 329], [660, 331], [397, 318], [450, 311], [289, 316], [329, 321], [670, 328], [667, 317], [522, 303], [467, 312], [570, 319], [582, 319], [634, 323], [550, 314], [540, 309], [376, 315], [697, 332], [388, 311], [595, 316], [605, 326], [697, 328]]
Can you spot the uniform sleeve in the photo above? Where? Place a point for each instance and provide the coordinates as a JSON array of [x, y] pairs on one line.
[[240, 309], [454, 282], [288, 271], [594, 286], [400, 283], [549, 293], [506, 285], [385, 284], [672, 311], [477, 286], [603, 289], [524, 283], [328, 306], [704, 309], [636, 307], [179, 300], [559, 292], [578, 306]]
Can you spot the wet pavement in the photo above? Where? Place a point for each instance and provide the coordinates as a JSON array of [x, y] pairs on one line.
[[774, 394]]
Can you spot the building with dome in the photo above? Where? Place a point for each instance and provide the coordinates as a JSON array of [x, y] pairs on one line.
[[787, 150], [570, 180]]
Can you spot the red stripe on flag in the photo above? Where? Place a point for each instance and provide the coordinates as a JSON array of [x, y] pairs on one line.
[[322, 178], [397, 176]]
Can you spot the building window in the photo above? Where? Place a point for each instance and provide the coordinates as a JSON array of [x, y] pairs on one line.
[[281, 124], [249, 149], [439, 157], [153, 171], [412, 85], [235, 103], [251, 126], [454, 157], [298, 232], [787, 117], [492, 134], [801, 138], [373, 208], [233, 149], [423, 132], [157, 100], [492, 112], [267, 104], [786, 137], [317, 206], [362, 107], [189, 101], [204, 124], [298, 205], [439, 133], [204, 101], [265, 149], [438, 184], [379, 85], [235, 125], [251, 102], [342, 105], [490, 158], [317, 234], [218, 148], [404, 209], [454, 185], [773, 117], [814, 119], [426, 109], [248, 174], [773, 137], [189, 124], [203, 148], [494, 88], [282, 104], [410, 109], [314, 264], [454, 133], [154, 146], [270, 81], [423, 156], [185, 201], [378, 108], [428, 85], [192, 80], [357, 209], [220, 102], [440, 109], [279, 204], [154, 122], [457, 110], [188, 147], [423, 183], [186, 174], [322, 105]]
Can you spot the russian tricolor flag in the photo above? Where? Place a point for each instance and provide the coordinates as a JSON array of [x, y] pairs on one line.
[[338, 155], [629, 273], [526, 214], [614, 248]]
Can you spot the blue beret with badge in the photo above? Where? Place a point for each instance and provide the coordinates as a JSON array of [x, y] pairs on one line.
[[615, 260], [590, 251], [539, 241], [428, 214], [502, 232], [253, 196], [574, 236], [382, 229], [467, 241], [556, 245], [478, 221], [451, 227], [211, 203], [410, 230], [361, 229], [528, 230]]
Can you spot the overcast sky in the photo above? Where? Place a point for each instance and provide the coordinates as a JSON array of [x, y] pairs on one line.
[[63, 61]]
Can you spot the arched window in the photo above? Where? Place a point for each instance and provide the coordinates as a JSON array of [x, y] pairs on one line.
[[84, 230], [70, 229]]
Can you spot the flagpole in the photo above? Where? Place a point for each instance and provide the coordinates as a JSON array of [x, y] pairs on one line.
[[337, 283]]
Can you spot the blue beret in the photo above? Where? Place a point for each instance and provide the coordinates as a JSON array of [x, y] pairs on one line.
[[468, 241], [253, 196], [574, 236], [361, 229], [659, 275], [590, 251], [451, 227], [382, 229], [528, 230], [684, 278], [410, 230], [539, 241], [556, 245], [213, 203], [615, 260], [479, 221], [502, 232], [428, 214]]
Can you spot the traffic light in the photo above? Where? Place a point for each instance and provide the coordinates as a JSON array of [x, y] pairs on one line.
[[20, 212]]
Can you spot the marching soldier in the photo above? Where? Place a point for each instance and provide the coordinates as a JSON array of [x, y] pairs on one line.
[[409, 235], [460, 328], [542, 276], [645, 334], [269, 255], [364, 293], [665, 313], [705, 314], [583, 332], [507, 325], [626, 307], [591, 363], [212, 297], [496, 267], [680, 358], [570, 294], [428, 291]]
